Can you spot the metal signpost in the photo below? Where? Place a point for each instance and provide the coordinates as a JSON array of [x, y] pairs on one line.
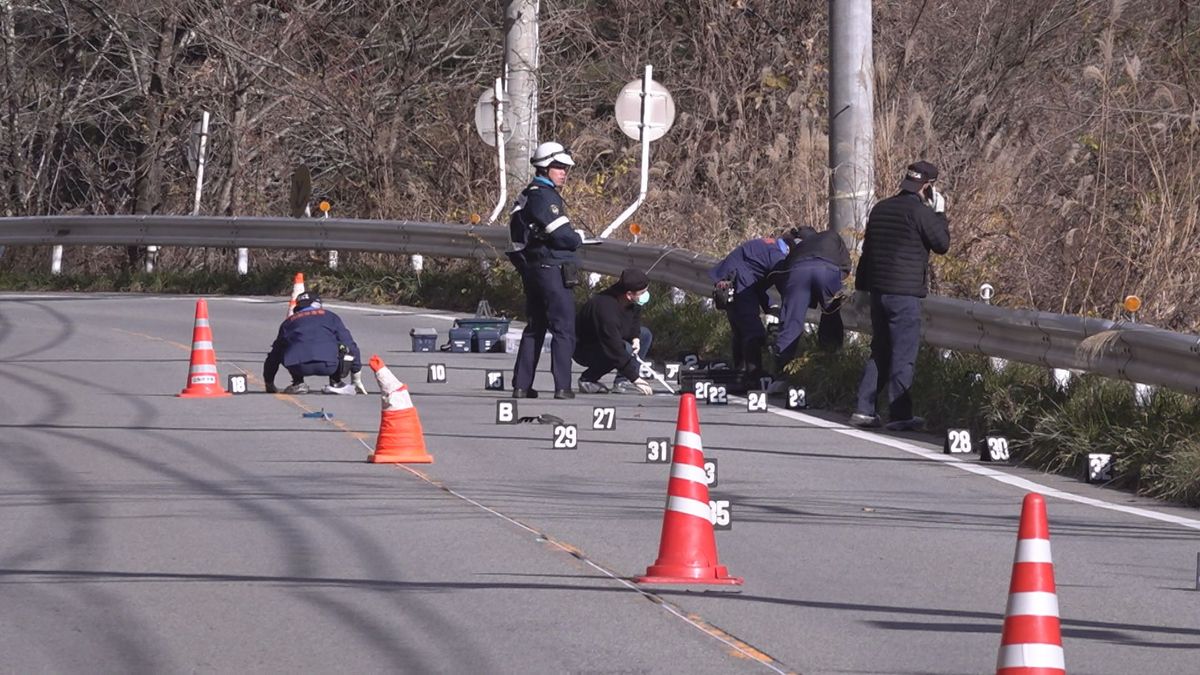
[[645, 112]]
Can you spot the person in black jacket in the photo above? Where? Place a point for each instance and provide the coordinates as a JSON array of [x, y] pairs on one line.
[[609, 331], [810, 276], [314, 341], [543, 245], [894, 269]]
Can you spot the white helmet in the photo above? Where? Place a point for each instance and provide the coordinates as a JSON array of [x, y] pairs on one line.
[[548, 154]]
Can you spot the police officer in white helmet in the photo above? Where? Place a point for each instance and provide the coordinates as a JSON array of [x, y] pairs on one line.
[[543, 245]]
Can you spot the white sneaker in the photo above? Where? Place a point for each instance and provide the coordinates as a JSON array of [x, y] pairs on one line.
[[586, 387], [343, 389]]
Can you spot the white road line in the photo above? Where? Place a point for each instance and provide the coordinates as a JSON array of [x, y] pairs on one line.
[[348, 308], [985, 471]]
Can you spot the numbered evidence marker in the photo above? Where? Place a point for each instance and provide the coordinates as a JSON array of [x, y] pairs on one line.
[[995, 449], [645, 370], [710, 471], [718, 394], [700, 389], [437, 373], [566, 437], [756, 401], [797, 399], [672, 371], [493, 380], [658, 450], [1100, 465], [958, 441], [722, 514], [237, 384], [604, 419], [506, 411]]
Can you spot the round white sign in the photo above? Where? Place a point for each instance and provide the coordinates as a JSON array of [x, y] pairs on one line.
[[660, 110], [485, 117]]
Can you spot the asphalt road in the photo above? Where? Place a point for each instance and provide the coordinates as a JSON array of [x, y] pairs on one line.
[[141, 532]]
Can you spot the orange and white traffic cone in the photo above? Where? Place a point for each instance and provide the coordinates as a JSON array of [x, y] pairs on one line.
[[1031, 643], [400, 440], [687, 553], [297, 289], [202, 373]]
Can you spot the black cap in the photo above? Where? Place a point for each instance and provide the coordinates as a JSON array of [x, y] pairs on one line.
[[307, 299], [633, 279], [801, 233], [917, 174]]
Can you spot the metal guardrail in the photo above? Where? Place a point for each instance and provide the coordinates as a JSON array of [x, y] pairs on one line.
[[1120, 350]]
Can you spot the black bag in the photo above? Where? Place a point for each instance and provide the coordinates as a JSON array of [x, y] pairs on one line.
[[570, 274]]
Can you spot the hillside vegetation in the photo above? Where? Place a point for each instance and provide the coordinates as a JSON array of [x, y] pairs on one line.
[[1068, 131]]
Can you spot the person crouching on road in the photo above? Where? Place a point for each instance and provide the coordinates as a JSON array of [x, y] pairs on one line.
[[314, 341], [810, 276], [894, 269], [611, 336], [542, 248], [746, 271]]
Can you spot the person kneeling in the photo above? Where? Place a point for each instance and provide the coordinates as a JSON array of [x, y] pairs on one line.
[[314, 341], [610, 335]]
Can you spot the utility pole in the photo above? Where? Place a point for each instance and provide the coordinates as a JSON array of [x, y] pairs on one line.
[[851, 118], [521, 77]]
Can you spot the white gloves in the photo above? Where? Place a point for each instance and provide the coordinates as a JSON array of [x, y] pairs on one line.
[[356, 379], [938, 203], [770, 319], [643, 387], [637, 347]]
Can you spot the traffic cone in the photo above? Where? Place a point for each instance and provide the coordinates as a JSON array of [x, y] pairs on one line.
[[202, 373], [687, 553], [297, 289], [1031, 643], [400, 440]]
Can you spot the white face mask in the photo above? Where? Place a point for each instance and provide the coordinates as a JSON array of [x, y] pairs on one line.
[[644, 297]]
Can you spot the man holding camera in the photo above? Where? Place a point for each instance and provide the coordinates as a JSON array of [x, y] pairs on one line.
[[894, 269]]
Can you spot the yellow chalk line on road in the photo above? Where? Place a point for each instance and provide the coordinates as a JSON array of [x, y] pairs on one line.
[[737, 648]]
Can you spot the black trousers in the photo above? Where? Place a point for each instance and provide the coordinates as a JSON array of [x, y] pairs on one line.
[[896, 336], [549, 305]]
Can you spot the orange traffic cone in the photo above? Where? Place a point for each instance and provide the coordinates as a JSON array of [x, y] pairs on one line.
[[687, 553], [1031, 643], [297, 289], [202, 373], [401, 440]]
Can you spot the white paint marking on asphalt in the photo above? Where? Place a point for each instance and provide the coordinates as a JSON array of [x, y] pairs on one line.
[[985, 471], [576, 553], [351, 308]]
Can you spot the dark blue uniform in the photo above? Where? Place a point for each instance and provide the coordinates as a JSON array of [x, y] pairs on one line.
[[543, 246], [810, 276], [308, 343], [749, 267]]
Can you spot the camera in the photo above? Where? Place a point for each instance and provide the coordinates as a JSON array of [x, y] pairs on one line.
[[723, 297]]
